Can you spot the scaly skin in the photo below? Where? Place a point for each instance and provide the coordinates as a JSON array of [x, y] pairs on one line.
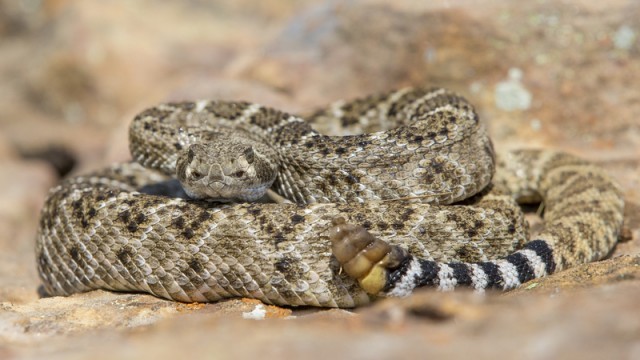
[[113, 230]]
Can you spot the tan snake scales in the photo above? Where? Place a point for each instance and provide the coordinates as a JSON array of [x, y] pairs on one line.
[[422, 181]]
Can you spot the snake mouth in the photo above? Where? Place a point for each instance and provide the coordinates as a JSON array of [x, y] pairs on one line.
[[246, 193], [223, 192]]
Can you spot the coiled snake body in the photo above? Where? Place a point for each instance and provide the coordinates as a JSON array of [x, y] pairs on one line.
[[414, 203]]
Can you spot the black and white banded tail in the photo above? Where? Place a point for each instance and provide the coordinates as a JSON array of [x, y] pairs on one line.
[[583, 217]]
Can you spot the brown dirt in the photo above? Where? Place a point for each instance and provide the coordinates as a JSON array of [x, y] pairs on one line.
[[74, 73]]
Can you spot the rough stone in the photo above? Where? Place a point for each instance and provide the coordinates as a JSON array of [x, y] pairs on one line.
[[85, 68]]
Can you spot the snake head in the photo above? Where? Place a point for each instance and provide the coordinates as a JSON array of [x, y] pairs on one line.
[[232, 170]]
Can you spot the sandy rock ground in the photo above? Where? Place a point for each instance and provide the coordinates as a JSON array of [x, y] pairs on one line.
[[552, 74]]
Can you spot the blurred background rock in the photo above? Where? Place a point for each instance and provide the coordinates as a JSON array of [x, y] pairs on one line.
[[563, 75]]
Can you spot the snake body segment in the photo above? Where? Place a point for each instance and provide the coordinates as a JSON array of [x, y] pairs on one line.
[[581, 202], [421, 191]]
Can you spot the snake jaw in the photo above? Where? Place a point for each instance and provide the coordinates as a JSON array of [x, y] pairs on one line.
[[223, 192]]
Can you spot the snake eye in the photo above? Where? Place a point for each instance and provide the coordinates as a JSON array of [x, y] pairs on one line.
[[196, 175], [238, 174]]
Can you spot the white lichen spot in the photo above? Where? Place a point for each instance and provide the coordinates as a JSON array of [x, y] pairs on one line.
[[541, 59], [201, 105], [536, 124], [624, 38], [511, 95], [475, 87], [258, 313], [429, 54]]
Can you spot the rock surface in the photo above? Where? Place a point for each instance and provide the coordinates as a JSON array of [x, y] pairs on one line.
[[74, 73]]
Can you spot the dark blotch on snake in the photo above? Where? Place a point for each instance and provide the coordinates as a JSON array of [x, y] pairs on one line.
[[297, 219]]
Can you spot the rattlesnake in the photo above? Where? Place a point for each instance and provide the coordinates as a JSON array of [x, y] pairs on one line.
[[418, 189]]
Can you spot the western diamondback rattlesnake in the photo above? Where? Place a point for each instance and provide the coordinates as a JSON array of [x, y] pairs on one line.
[[129, 228]]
